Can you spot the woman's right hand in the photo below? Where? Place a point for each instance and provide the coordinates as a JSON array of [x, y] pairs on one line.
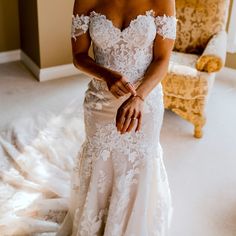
[[119, 86]]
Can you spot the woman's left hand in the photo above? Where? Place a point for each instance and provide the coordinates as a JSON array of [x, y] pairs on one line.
[[130, 114]]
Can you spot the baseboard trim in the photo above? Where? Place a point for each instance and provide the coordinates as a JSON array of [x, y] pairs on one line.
[[9, 56], [49, 73], [30, 64], [57, 72]]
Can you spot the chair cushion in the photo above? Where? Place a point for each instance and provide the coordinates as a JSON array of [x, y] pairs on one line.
[[184, 80], [198, 21]]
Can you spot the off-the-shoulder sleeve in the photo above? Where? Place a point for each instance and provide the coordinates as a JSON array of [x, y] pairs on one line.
[[166, 26], [80, 25]]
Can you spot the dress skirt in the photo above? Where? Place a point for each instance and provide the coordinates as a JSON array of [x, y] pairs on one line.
[[119, 184]]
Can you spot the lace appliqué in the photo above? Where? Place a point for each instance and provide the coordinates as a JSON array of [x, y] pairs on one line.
[[166, 26], [91, 223], [103, 181], [80, 25], [107, 139], [113, 170]]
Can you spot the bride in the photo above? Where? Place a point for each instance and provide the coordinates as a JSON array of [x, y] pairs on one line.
[[119, 184]]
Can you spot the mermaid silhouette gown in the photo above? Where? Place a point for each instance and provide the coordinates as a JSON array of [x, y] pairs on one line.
[[119, 185]]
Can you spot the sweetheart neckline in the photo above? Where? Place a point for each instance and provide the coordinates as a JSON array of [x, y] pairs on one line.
[[146, 14]]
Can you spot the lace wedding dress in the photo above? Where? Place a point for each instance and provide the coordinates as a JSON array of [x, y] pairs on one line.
[[119, 184]]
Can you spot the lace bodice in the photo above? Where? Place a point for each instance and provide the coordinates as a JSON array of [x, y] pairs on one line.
[[128, 51]]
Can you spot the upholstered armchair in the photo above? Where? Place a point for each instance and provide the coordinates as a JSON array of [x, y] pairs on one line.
[[199, 53]]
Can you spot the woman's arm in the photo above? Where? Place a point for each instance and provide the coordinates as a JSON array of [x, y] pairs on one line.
[[81, 43], [163, 45], [161, 53]]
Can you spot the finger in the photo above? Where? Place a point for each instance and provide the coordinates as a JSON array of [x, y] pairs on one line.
[[127, 121], [120, 118], [131, 88], [114, 92], [138, 128], [120, 92], [115, 95], [128, 85], [131, 125], [120, 123], [133, 121], [123, 88], [125, 125]]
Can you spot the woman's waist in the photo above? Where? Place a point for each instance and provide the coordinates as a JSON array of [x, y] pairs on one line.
[[99, 89], [102, 85]]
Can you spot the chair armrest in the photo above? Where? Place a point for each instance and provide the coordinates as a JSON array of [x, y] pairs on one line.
[[213, 57]]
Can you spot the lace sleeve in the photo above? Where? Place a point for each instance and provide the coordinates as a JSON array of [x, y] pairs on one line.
[[80, 25], [166, 26]]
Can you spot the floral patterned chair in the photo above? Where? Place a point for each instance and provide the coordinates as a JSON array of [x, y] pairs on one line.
[[199, 52]]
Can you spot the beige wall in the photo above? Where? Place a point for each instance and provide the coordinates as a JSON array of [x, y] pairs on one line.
[[231, 57], [9, 25], [54, 20], [231, 60], [45, 31]]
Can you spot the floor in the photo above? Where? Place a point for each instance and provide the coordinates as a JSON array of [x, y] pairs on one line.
[[201, 172]]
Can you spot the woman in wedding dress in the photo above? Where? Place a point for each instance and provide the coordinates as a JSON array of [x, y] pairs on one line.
[[119, 185]]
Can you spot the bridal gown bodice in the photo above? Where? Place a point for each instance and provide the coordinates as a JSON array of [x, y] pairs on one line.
[[119, 183], [128, 51]]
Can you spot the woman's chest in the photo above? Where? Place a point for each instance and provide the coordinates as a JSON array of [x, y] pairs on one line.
[[139, 32]]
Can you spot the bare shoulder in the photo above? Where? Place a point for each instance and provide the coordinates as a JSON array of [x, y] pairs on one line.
[[84, 6], [162, 7]]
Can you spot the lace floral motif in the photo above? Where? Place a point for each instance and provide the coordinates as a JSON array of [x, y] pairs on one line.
[[120, 180], [166, 26], [128, 51], [130, 162], [91, 224], [103, 181], [80, 25]]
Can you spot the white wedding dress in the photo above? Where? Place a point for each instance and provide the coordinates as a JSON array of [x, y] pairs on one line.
[[120, 186], [117, 184]]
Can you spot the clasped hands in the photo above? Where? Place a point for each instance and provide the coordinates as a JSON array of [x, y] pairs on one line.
[[130, 112]]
